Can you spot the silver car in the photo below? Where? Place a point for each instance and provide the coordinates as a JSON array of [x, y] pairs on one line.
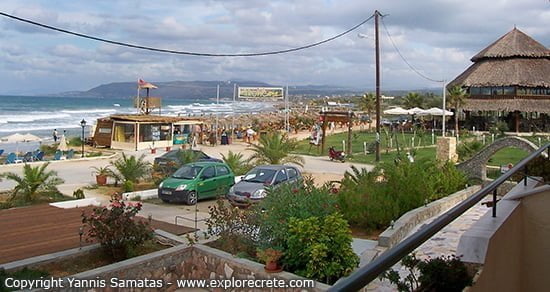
[[252, 187]]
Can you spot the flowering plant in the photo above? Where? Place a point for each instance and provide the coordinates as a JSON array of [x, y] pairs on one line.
[[115, 228]]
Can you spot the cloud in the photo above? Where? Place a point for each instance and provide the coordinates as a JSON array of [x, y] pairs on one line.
[[437, 37]]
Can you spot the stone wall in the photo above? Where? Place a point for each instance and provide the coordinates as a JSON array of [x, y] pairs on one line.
[[184, 262]]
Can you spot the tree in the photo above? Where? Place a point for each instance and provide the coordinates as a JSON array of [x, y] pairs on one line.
[[413, 99], [367, 103], [236, 161], [35, 182], [130, 168], [456, 98], [275, 148]]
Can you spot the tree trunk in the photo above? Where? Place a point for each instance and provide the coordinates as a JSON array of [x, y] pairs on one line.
[[456, 120]]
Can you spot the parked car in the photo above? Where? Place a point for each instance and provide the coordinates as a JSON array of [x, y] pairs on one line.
[[174, 156], [195, 181], [252, 187]]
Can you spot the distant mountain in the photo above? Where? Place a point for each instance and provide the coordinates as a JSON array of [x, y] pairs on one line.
[[198, 89]]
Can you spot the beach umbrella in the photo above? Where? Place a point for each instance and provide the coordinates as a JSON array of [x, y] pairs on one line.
[[16, 138], [396, 111], [418, 111], [434, 111], [63, 144]]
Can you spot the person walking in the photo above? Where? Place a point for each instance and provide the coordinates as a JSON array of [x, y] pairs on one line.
[[55, 135]]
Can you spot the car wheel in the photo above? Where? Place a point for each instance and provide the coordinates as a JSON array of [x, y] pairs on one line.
[[191, 198]]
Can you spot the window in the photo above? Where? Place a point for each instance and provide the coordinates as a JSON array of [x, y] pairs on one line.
[[209, 172], [154, 132], [104, 130], [124, 133], [222, 170], [509, 90], [281, 177], [475, 90], [291, 172]]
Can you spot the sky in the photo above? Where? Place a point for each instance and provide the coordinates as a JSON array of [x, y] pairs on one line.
[[437, 37]]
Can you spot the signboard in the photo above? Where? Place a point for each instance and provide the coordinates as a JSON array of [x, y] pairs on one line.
[[155, 133], [261, 93]]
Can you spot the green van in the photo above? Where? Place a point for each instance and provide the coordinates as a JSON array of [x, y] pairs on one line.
[[195, 181]]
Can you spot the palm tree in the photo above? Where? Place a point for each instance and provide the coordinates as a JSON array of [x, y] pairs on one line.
[[186, 157], [367, 103], [35, 182], [130, 168], [236, 161], [275, 148], [413, 99], [456, 98]]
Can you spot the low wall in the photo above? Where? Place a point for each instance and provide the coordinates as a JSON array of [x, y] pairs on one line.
[[143, 195], [409, 220], [181, 262]]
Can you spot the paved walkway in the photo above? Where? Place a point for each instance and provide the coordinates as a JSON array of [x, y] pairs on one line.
[[443, 243]]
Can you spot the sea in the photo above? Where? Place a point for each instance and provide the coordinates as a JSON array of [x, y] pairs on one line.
[[40, 115]]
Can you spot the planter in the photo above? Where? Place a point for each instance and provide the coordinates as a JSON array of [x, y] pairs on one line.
[[153, 150], [272, 267], [101, 180], [168, 148]]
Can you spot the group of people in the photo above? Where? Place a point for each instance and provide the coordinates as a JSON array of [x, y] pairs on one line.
[[56, 136]]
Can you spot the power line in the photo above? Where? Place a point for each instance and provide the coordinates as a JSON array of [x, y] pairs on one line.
[[95, 38], [405, 60]]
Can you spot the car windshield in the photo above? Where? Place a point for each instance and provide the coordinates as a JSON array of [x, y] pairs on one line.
[[187, 172], [260, 175]]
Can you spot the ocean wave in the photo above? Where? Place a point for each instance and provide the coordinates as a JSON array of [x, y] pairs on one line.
[[30, 128], [90, 111], [31, 117]]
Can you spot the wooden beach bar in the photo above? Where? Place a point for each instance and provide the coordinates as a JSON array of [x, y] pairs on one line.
[[141, 131]]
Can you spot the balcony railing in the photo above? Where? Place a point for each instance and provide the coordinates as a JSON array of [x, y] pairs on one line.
[[363, 276]]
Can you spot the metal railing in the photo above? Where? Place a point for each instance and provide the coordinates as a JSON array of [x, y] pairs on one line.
[[363, 276]]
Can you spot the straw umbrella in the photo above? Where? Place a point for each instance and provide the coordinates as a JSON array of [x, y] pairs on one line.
[[16, 138], [63, 144]]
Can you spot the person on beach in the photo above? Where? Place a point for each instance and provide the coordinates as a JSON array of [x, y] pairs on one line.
[[55, 134], [250, 134]]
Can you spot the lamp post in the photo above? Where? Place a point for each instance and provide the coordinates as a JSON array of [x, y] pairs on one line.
[[83, 125]]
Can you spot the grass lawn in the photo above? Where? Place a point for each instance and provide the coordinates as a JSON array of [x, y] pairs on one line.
[[358, 138], [502, 157]]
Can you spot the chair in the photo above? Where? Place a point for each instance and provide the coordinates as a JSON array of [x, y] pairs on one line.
[[57, 155], [70, 154], [1, 152], [11, 158], [27, 157], [39, 156]]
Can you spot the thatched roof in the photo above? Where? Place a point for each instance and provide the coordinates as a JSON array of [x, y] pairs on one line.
[[506, 72], [508, 105], [515, 59], [513, 44], [151, 118]]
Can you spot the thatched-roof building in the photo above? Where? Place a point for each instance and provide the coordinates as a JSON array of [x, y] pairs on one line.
[[510, 75]]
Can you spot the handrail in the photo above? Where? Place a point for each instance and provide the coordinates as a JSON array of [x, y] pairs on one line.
[[368, 273]]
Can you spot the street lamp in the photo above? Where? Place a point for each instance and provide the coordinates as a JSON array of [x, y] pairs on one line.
[[83, 125]]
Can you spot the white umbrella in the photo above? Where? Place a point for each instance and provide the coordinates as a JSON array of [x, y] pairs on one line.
[[417, 111], [434, 111], [30, 138], [16, 138], [396, 111], [63, 144]]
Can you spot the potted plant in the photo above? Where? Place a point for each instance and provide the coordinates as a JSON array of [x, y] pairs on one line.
[[271, 258], [101, 174]]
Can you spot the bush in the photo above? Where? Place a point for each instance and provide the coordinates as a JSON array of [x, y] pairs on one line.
[[437, 274], [499, 128], [290, 201], [236, 228], [128, 186], [115, 229], [466, 150], [78, 194], [320, 248], [237, 163], [48, 149], [373, 199], [75, 141], [130, 168]]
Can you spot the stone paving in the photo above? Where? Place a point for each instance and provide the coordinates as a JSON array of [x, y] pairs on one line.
[[443, 243]]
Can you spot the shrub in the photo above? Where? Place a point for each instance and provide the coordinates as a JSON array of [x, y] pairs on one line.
[[437, 274], [320, 248], [290, 201], [236, 228], [130, 168], [115, 229], [35, 182], [499, 128], [237, 163], [75, 141], [275, 148], [372, 199], [128, 186], [78, 194], [466, 150]]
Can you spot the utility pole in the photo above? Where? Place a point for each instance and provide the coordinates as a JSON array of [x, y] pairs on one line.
[[444, 109], [377, 45], [217, 109]]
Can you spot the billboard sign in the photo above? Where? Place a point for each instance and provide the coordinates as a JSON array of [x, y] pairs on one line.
[[270, 93]]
